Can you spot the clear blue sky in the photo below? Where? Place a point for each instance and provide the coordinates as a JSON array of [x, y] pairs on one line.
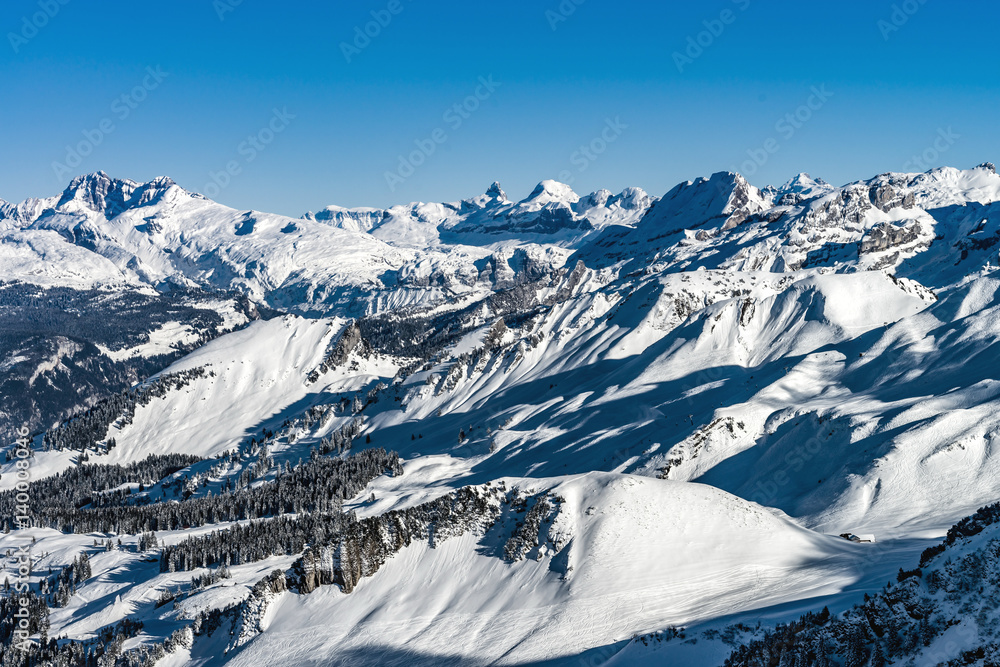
[[893, 94]]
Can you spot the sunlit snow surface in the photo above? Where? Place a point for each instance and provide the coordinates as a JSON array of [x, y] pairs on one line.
[[715, 408]]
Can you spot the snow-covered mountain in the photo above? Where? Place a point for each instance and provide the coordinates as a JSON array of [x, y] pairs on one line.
[[797, 189], [618, 429]]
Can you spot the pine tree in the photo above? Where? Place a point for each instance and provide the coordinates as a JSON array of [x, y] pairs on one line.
[[822, 659], [878, 656], [926, 630], [855, 649]]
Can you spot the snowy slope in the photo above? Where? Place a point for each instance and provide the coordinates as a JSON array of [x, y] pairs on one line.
[[941, 609], [647, 546], [714, 384]]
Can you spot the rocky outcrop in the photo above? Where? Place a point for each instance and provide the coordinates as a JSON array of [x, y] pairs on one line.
[[886, 235], [885, 197], [351, 219], [250, 617], [350, 341], [362, 548]]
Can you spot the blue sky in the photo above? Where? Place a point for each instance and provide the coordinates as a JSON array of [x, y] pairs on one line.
[[269, 101]]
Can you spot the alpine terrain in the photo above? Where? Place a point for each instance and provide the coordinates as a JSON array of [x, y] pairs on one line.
[[722, 426]]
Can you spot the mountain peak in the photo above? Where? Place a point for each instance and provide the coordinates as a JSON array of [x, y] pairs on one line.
[[800, 187], [724, 195], [803, 183], [549, 191], [95, 179], [148, 193], [111, 196], [632, 198], [629, 199], [99, 192], [496, 192]]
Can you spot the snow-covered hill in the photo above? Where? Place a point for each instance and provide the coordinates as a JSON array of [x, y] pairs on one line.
[[615, 415]]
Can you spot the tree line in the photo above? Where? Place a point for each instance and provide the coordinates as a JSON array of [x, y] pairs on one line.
[[90, 427], [97, 484], [319, 485]]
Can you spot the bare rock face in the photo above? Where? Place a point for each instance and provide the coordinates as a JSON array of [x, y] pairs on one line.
[[848, 207], [885, 193], [885, 197], [100, 193], [355, 220], [350, 341], [885, 235]]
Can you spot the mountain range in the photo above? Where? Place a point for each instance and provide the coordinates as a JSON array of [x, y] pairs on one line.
[[701, 428]]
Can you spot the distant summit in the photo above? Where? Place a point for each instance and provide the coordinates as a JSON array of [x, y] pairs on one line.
[[798, 189], [496, 192], [112, 196]]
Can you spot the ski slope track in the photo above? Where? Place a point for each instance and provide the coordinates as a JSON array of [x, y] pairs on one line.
[[617, 429]]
